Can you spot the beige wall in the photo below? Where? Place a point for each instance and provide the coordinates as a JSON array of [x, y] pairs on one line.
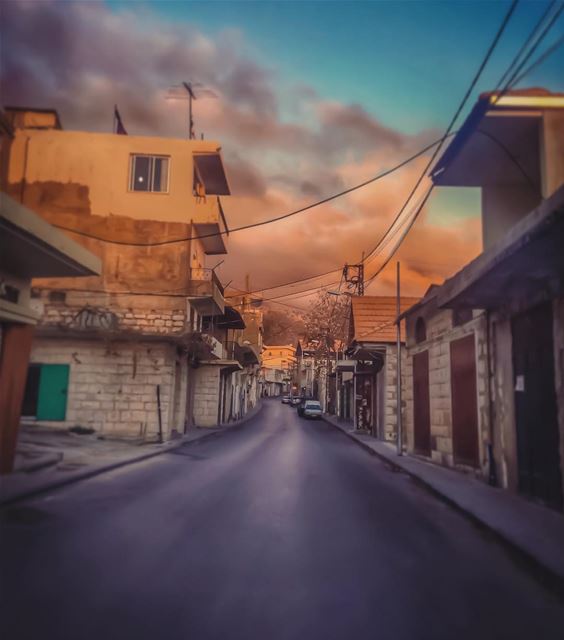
[[206, 395], [112, 386], [552, 151], [440, 332], [96, 166], [503, 207]]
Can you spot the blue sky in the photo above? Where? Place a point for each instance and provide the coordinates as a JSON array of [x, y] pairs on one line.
[[312, 97], [407, 63]]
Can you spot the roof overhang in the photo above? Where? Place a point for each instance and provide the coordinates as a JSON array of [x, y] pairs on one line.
[[498, 145], [526, 264], [32, 248], [211, 236], [230, 365], [231, 319], [210, 170]]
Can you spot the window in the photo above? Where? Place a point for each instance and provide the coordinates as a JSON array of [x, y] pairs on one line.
[[149, 173], [420, 331]]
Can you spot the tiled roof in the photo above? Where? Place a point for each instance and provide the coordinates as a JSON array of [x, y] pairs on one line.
[[374, 317]]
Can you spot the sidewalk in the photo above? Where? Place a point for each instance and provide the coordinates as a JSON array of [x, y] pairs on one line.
[[534, 532], [48, 459]]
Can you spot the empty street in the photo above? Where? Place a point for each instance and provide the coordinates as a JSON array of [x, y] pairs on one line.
[[281, 528]]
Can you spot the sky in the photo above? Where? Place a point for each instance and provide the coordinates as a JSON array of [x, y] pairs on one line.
[[312, 97]]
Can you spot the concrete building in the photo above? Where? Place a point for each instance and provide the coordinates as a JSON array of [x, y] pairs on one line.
[[366, 379], [278, 362], [29, 248], [306, 377], [485, 386], [131, 339]]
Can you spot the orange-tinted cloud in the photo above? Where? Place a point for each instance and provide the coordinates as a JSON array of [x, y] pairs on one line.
[[284, 145]]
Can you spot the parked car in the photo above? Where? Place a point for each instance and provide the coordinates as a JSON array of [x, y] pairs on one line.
[[296, 401], [301, 404], [312, 409], [286, 400]]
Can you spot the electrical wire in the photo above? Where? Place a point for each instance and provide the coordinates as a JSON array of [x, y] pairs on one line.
[[254, 225], [511, 81], [540, 60], [461, 106], [523, 47]]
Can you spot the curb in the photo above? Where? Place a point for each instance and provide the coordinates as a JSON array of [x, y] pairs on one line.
[[25, 494], [547, 576]]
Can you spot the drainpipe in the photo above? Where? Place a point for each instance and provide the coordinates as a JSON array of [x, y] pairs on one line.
[[492, 471], [398, 374], [24, 176]]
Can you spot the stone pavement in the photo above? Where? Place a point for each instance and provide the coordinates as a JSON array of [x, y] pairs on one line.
[[534, 532], [48, 458]]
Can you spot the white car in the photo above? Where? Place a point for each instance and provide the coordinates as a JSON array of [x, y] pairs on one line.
[[312, 409]]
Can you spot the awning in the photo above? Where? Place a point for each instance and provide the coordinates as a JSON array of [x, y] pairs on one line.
[[346, 365], [230, 365], [231, 319], [210, 170], [32, 248], [526, 264], [498, 144]]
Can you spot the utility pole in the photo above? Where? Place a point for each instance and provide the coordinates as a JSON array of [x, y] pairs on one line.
[[398, 374], [353, 274]]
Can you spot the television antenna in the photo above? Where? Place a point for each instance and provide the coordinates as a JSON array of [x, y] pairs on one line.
[[190, 91]]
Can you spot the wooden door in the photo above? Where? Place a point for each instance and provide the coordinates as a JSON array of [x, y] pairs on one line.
[[464, 401], [535, 406], [421, 404]]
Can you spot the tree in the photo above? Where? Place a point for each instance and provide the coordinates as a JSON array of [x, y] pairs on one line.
[[281, 327], [326, 323]]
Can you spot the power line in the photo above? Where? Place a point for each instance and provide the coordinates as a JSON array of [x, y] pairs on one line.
[[454, 118], [511, 81], [523, 47], [253, 225], [539, 60]]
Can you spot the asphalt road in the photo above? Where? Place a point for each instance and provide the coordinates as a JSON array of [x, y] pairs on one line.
[[280, 529]]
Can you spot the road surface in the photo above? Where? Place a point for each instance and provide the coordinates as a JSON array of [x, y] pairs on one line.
[[280, 529]]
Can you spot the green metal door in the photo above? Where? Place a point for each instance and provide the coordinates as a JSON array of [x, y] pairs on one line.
[[53, 386]]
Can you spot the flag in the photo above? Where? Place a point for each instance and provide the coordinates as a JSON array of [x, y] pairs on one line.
[[118, 123]]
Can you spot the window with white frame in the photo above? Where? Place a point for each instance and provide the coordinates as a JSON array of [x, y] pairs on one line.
[[149, 173]]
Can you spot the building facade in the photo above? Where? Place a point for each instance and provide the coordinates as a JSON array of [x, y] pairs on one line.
[[485, 385], [128, 343]]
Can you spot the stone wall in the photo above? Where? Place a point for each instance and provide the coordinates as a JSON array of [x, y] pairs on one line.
[[206, 395], [113, 385], [440, 333], [81, 311], [388, 393]]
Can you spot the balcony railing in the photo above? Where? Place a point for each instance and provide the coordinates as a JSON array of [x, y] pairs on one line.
[[207, 291], [200, 274]]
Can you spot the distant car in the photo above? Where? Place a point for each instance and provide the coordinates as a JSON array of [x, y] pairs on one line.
[[295, 401], [312, 409], [286, 400]]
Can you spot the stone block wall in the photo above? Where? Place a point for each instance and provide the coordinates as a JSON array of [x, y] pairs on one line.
[[440, 333], [388, 395], [206, 395], [113, 385], [104, 312]]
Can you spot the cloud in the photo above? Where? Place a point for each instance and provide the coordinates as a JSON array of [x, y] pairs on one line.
[[284, 144]]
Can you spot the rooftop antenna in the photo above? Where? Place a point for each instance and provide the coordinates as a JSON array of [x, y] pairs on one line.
[[190, 91]]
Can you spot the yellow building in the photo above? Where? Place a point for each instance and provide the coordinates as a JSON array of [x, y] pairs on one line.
[[149, 208], [278, 362]]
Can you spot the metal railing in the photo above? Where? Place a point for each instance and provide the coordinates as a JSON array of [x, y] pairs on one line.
[[201, 274]]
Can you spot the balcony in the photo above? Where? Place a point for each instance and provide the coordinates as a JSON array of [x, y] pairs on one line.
[[209, 220], [206, 292]]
